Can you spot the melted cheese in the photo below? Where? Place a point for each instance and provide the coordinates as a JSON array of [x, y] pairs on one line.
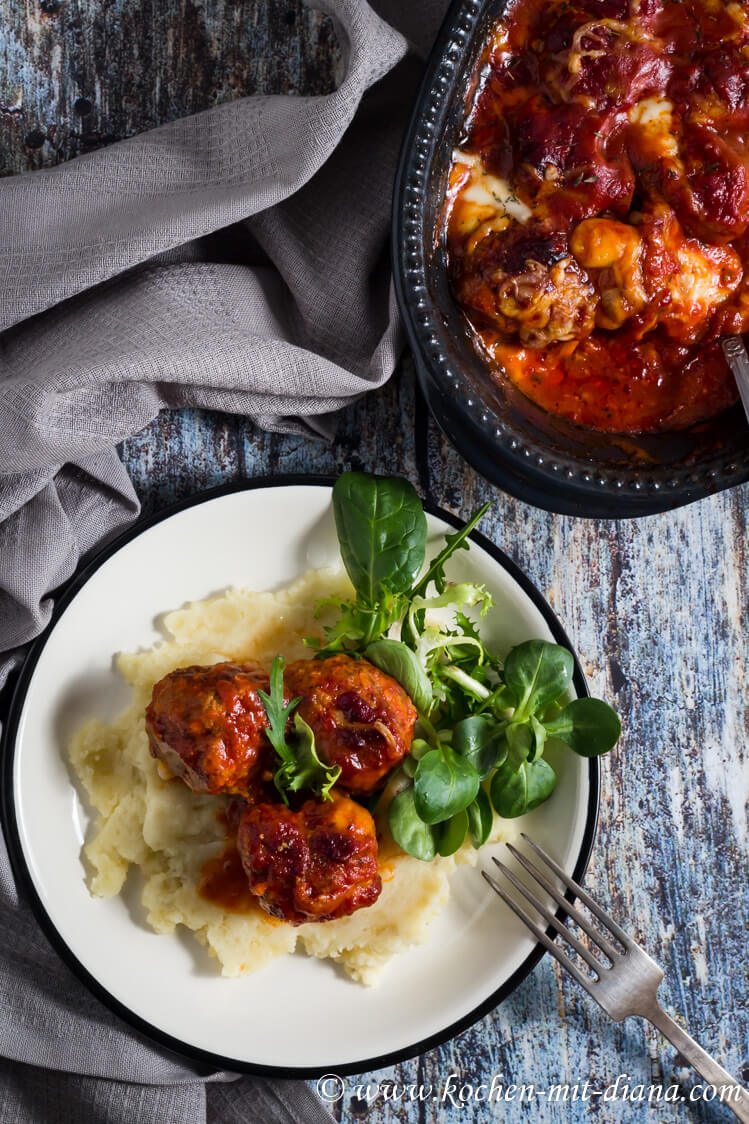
[[654, 116], [738, 13], [701, 283], [486, 197], [699, 279]]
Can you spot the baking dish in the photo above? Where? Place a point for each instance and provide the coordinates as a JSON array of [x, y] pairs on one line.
[[540, 458]]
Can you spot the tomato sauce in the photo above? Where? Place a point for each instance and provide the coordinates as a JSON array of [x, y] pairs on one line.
[[224, 883], [598, 206], [223, 879]]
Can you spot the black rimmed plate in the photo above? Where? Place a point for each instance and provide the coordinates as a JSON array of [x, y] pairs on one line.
[[259, 536]]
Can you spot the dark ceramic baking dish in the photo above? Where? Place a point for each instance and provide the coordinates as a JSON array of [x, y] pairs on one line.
[[543, 460]]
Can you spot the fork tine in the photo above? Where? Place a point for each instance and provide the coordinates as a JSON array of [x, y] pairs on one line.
[[593, 934], [546, 913], [605, 918], [541, 936]]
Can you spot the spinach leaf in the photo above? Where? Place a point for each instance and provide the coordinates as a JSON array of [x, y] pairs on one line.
[[382, 533], [393, 657], [481, 741], [480, 819], [509, 791], [444, 784], [517, 791], [408, 829], [300, 766], [537, 673], [450, 835], [588, 726]]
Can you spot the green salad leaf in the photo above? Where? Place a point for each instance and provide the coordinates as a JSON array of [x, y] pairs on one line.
[[300, 766], [436, 569], [482, 741], [395, 658], [444, 784], [382, 532], [480, 819], [515, 791], [589, 726], [451, 833], [537, 673], [409, 831]]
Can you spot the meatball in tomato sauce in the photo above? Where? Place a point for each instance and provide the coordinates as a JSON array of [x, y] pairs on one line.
[[362, 718], [207, 724], [315, 864]]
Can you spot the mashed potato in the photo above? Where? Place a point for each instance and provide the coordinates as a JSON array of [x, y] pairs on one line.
[[169, 832]]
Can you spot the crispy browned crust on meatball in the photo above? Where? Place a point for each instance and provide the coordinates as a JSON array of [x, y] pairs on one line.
[[316, 864], [362, 718], [207, 724], [530, 287]]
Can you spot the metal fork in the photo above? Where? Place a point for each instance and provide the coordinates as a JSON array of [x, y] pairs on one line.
[[629, 986]]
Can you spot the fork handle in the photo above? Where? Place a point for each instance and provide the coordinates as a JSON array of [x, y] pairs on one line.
[[706, 1066]]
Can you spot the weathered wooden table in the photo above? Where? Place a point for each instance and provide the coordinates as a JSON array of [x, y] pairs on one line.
[[656, 608]]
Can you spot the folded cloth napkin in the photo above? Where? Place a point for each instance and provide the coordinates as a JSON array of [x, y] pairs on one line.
[[235, 260]]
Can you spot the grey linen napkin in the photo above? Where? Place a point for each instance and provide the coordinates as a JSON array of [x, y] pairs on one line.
[[234, 260]]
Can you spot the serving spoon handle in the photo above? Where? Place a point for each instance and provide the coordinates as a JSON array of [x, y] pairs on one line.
[[737, 358]]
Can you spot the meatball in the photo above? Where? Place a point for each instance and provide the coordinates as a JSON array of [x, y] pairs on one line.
[[528, 286], [362, 718], [711, 199], [315, 864], [207, 724]]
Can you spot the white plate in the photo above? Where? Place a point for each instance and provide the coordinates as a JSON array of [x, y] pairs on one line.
[[259, 537]]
